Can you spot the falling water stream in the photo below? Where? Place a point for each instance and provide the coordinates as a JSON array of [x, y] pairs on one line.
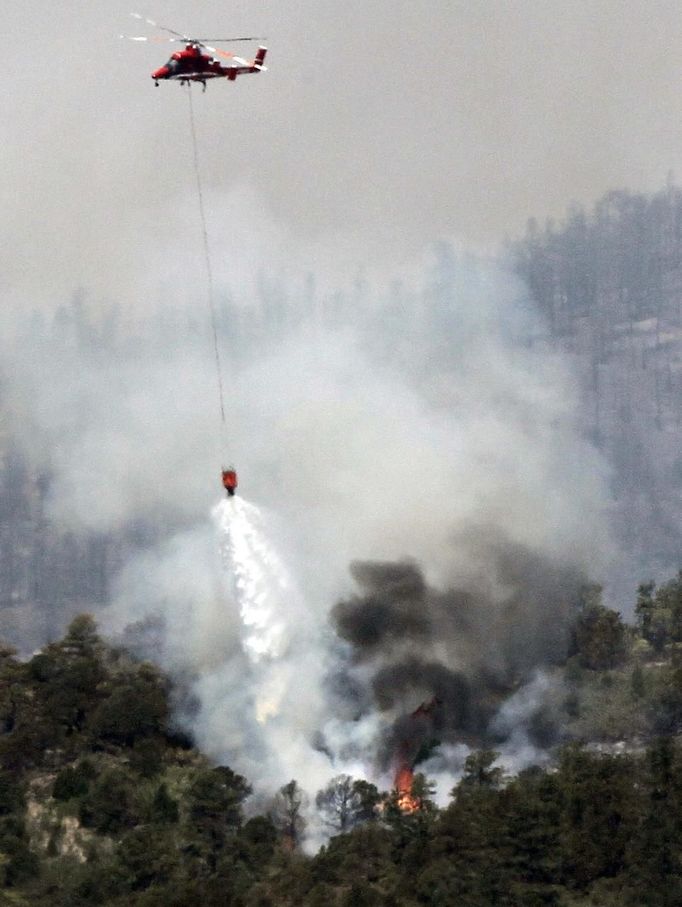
[[262, 591]]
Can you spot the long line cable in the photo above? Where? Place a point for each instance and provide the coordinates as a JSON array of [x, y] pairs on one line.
[[207, 256]]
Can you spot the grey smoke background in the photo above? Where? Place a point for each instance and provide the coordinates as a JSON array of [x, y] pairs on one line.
[[380, 404], [377, 129]]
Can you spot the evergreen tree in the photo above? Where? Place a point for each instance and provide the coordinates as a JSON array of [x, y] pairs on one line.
[[598, 814], [654, 864], [599, 638], [286, 812], [644, 610], [215, 809], [164, 809]]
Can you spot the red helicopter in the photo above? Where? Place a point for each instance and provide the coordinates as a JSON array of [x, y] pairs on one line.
[[193, 64]]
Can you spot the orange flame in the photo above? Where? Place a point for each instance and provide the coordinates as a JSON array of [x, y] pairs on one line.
[[403, 784], [423, 718]]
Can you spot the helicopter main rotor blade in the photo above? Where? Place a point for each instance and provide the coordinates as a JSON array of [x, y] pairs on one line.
[[228, 40], [201, 42], [154, 39], [178, 37], [162, 27]]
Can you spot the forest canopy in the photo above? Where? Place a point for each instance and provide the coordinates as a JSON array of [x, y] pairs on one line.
[[104, 801]]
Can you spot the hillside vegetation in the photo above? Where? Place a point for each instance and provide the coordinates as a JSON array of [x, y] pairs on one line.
[[103, 802]]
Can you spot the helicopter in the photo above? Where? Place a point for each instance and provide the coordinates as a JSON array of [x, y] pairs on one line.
[[194, 62]]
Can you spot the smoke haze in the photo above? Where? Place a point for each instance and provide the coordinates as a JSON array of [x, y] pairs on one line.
[[369, 431], [382, 407], [377, 129]]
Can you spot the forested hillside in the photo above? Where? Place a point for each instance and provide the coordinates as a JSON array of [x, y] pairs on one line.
[[609, 282], [104, 802]]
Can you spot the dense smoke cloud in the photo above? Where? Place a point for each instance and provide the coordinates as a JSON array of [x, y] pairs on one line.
[[391, 611], [465, 648], [520, 592], [405, 426]]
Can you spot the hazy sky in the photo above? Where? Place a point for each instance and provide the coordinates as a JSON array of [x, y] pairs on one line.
[[377, 128]]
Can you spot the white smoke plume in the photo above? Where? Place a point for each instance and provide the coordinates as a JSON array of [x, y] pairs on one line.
[[522, 746], [374, 424]]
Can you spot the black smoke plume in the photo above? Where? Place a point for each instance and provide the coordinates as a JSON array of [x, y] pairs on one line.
[[466, 647]]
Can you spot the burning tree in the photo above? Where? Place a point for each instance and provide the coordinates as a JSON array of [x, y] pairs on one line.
[[416, 795], [415, 733]]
